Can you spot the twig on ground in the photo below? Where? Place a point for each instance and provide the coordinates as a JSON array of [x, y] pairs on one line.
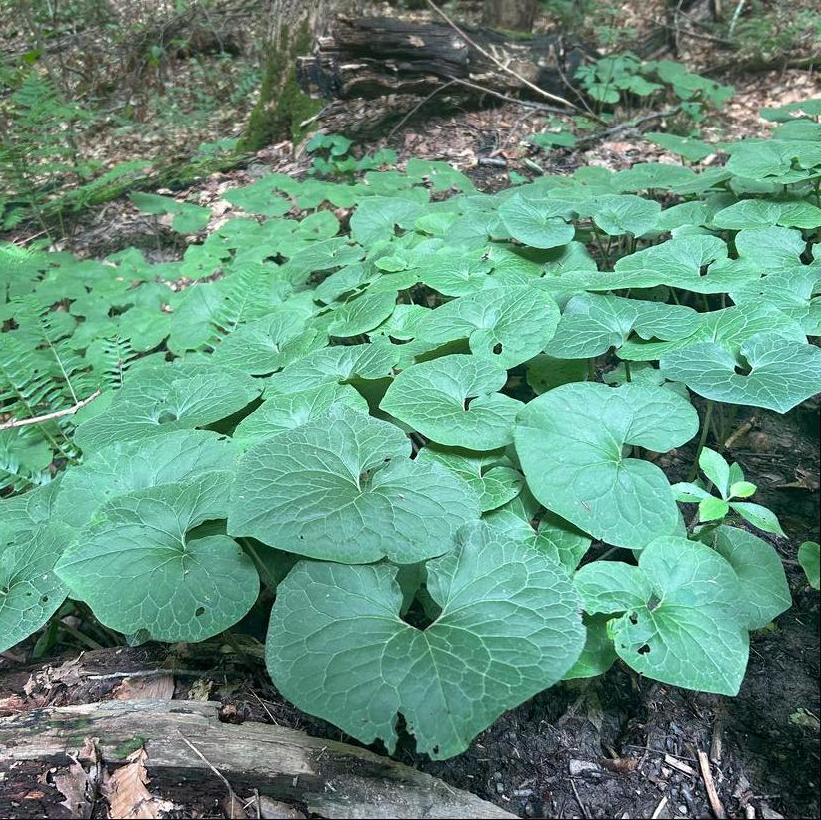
[[413, 110], [525, 103], [507, 69], [626, 126], [235, 801], [682, 767], [68, 411], [710, 786], [659, 809], [585, 812], [740, 433]]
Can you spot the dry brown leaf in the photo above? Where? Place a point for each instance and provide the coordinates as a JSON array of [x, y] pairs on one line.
[[153, 687], [128, 795], [72, 783]]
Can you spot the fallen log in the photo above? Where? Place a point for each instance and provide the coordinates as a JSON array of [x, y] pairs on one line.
[[378, 56], [189, 756]]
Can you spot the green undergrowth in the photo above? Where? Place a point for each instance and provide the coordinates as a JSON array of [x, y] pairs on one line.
[[424, 421]]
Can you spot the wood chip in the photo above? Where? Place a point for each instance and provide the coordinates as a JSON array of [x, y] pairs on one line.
[[680, 766], [660, 808], [710, 786]]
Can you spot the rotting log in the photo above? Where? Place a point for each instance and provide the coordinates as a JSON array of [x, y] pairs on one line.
[[377, 56], [324, 777]]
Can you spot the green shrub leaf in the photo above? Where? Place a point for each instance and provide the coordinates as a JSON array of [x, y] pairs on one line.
[[571, 443], [137, 568], [503, 607], [680, 593], [453, 401], [343, 488]]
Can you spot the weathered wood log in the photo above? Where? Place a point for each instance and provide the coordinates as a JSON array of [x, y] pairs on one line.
[[184, 743], [376, 56]]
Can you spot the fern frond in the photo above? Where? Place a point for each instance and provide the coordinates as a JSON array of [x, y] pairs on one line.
[[241, 291], [117, 356]]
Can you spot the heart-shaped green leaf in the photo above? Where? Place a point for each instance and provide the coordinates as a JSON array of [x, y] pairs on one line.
[[126, 466], [338, 648], [162, 399], [137, 568], [343, 488], [507, 326], [765, 592], [287, 412], [30, 592], [491, 475], [537, 223], [571, 443], [453, 401], [781, 372], [682, 622]]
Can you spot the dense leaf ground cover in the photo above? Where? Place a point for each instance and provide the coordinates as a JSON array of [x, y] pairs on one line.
[[424, 420]]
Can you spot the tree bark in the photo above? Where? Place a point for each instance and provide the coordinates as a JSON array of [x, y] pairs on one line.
[[192, 758], [282, 106], [378, 56], [512, 15]]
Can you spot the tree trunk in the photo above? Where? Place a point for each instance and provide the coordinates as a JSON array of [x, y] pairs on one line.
[[512, 15], [191, 759], [378, 56], [282, 106]]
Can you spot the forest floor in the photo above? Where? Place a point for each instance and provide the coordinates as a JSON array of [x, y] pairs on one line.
[[612, 747]]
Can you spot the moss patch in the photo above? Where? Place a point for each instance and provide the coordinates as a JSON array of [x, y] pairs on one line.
[[282, 105]]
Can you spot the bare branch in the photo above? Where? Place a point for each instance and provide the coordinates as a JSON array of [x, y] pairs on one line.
[[68, 411]]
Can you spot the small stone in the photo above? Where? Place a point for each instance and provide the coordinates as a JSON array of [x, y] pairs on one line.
[[500, 787], [578, 767]]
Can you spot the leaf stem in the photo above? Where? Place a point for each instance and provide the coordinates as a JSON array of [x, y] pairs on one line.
[[263, 571], [705, 429], [627, 372]]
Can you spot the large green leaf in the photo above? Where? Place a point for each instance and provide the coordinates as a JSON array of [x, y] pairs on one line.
[[491, 475], [287, 412], [266, 345], [759, 213], [571, 444], [764, 588], [30, 592], [728, 329], [162, 399], [537, 223], [592, 323], [126, 466], [507, 326], [624, 214], [780, 372], [509, 627], [335, 365], [453, 401], [683, 621], [343, 488], [137, 568]]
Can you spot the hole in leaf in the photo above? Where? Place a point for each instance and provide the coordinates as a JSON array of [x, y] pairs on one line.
[[44, 599], [200, 611], [497, 348], [166, 417], [634, 619], [644, 650], [743, 369], [653, 602]]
